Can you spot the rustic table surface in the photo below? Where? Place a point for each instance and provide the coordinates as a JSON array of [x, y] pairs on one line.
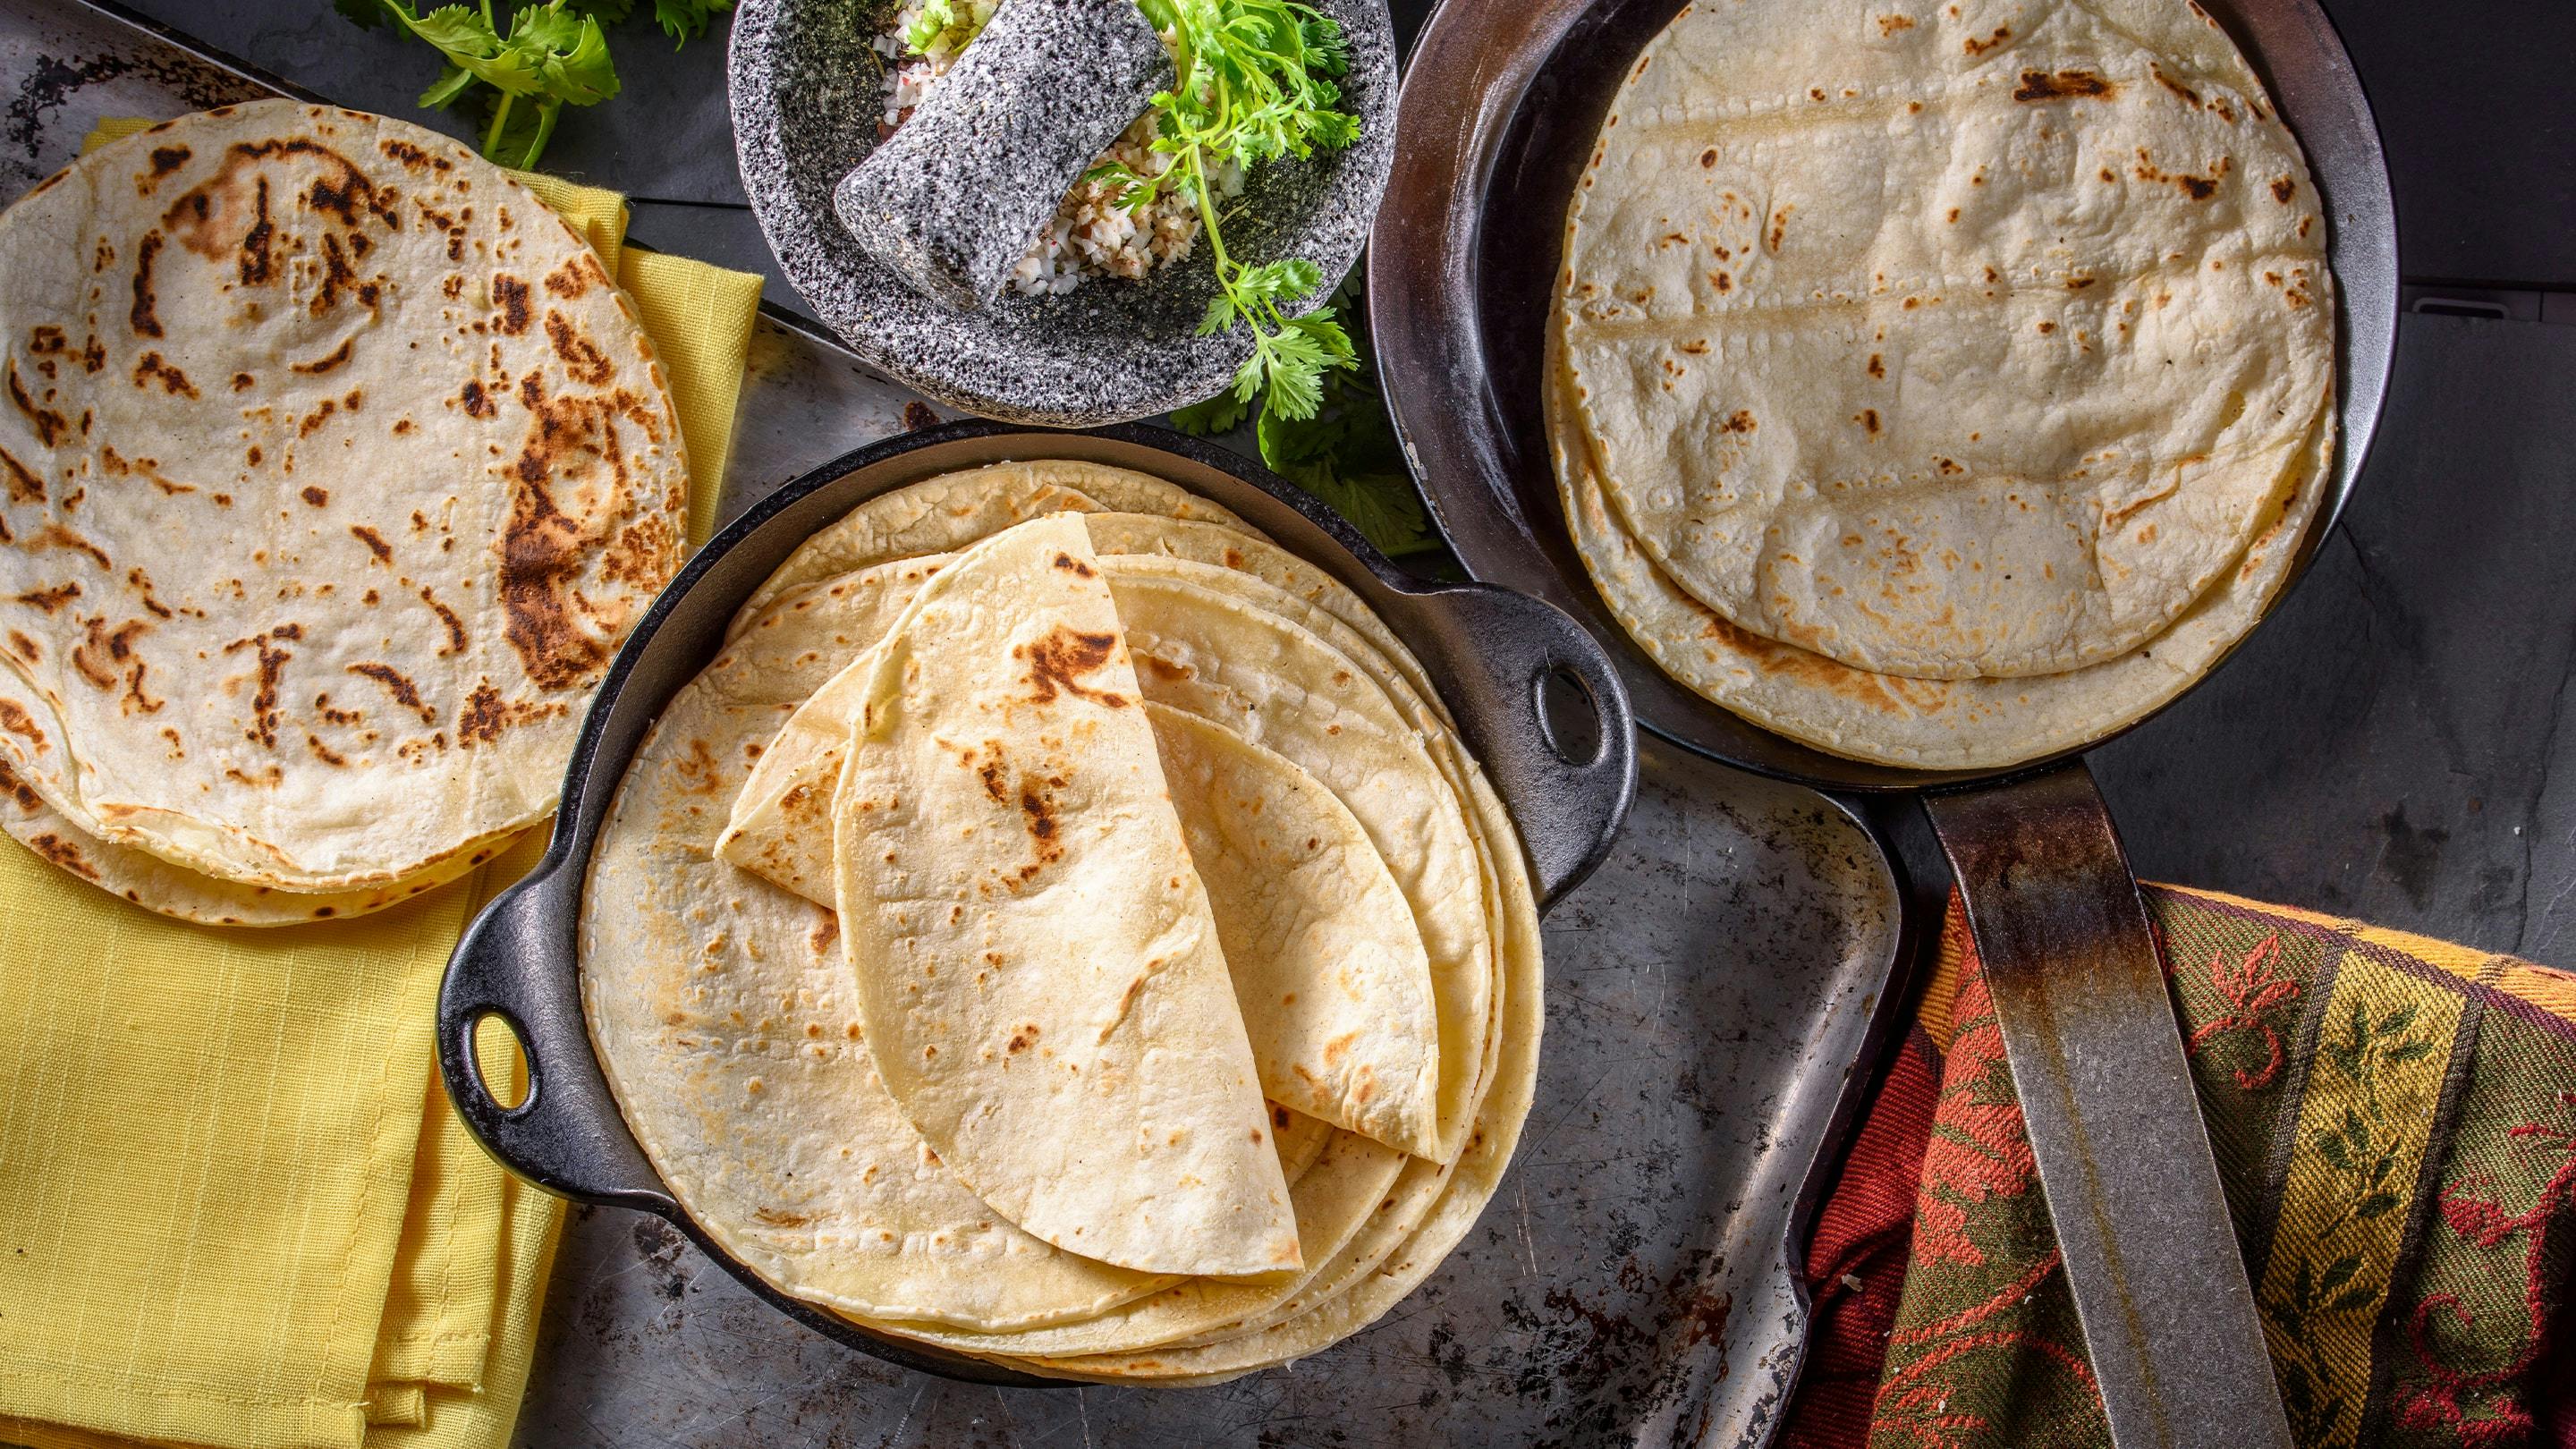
[[2385, 748]]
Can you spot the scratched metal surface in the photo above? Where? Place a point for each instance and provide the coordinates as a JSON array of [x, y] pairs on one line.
[[1705, 991], [1709, 991]]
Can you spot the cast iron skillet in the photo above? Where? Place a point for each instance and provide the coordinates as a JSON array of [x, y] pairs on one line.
[[1500, 109], [1489, 651]]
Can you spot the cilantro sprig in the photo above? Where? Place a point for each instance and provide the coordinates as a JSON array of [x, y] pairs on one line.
[[548, 56], [1254, 81], [1345, 452]]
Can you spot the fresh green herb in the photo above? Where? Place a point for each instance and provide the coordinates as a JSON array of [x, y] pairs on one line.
[[520, 78], [1253, 84], [1344, 452], [944, 26]]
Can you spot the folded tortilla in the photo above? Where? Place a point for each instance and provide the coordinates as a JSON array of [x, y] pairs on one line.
[[1038, 973]]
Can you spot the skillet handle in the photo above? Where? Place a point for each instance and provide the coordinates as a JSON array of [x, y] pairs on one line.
[[2151, 1254], [1499, 651], [516, 962]]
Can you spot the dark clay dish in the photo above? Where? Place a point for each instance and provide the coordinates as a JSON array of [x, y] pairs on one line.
[[807, 96]]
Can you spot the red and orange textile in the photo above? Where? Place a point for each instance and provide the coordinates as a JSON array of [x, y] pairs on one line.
[[2395, 1125]]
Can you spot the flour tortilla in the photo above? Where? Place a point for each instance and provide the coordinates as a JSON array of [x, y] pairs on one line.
[[948, 512], [1947, 340], [1347, 1236], [1323, 910], [726, 1024], [149, 881], [1319, 940], [1342, 1303], [336, 468], [1002, 811], [1969, 724]]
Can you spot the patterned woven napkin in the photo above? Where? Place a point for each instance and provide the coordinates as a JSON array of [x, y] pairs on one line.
[[236, 1209], [2395, 1125]]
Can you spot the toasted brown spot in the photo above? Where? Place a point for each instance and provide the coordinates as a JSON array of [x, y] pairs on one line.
[[65, 854], [2177, 87], [374, 541], [257, 263], [316, 367], [1975, 46], [49, 600], [55, 536], [511, 296], [2284, 189], [15, 719], [145, 313], [447, 616], [166, 159], [1877, 365], [1058, 661], [1740, 421], [50, 426], [25, 648], [24, 486], [14, 788], [272, 669], [1075, 566], [477, 405], [413, 157], [2040, 85], [152, 368], [324, 752], [1890, 24], [399, 685], [1868, 418], [316, 496], [581, 357]]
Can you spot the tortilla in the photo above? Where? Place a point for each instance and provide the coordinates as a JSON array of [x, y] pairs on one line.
[[149, 881], [1319, 941], [725, 1022], [1304, 895], [1345, 1302], [336, 468], [1947, 341], [948, 512], [1002, 809], [1965, 724]]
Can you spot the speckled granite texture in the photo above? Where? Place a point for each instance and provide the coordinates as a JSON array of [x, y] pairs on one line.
[[806, 95], [950, 202]]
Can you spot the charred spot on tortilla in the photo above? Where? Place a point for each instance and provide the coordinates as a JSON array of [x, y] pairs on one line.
[[1058, 661]]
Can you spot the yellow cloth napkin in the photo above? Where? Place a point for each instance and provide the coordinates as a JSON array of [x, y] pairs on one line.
[[236, 1209]]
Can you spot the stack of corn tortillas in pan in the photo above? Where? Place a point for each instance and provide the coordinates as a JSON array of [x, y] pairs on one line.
[[1064, 928], [1942, 384], [336, 469]]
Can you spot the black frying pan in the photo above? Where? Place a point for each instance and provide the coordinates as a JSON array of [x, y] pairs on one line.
[[1489, 651], [1501, 106]]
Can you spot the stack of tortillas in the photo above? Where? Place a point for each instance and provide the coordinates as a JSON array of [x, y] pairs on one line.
[[1942, 384], [1065, 928], [335, 469]]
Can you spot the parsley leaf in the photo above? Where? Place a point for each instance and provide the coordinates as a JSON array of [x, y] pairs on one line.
[[554, 53], [1345, 452], [685, 20]]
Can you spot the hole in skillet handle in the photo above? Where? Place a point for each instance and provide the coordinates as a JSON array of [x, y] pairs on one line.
[[496, 1054], [1569, 718]]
